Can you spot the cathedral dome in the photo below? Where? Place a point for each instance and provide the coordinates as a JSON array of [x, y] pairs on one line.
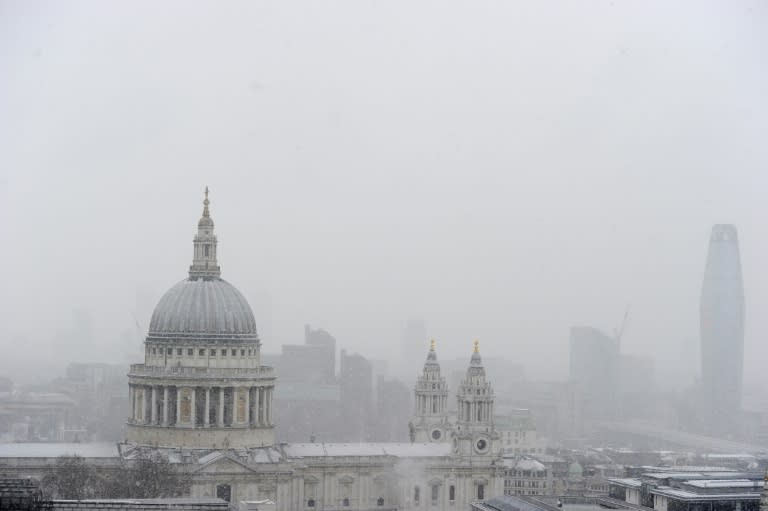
[[203, 308]]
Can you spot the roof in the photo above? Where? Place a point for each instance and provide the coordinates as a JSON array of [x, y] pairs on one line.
[[725, 483], [401, 450], [54, 450], [203, 308], [678, 494], [627, 482], [529, 464]]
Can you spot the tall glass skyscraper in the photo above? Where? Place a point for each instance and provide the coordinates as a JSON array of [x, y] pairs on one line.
[[722, 331]]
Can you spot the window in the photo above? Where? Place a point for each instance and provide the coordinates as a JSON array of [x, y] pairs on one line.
[[224, 492], [311, 503], [170, 351], [435, 490], [213, 353], [380, 501], [345, 502], [223, 353], [154, 351], [202, 352], [178, 351], [207, 249], [190, 352], [416, 495], [242, 353], [234, 352], [480, 491]]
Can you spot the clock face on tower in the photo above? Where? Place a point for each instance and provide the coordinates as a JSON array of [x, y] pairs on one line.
[[481, 445], [437, 434]]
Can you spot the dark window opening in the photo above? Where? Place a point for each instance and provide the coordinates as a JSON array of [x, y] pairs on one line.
[[224, 492], [170, 351], [190, 351], [480, 491], [451, 492], [242, 353], [234, 352], [223, 353], [380, 501], [202, 353], [345, 502], [178, 351], [416, 495], [207, 249], [213, 353], [311, 503], [435, 489]]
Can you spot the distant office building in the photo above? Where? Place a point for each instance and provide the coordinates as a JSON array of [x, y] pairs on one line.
[[393, 399], [594, 369], [327, 343], [356, 382], [722, 330], [413, 335]]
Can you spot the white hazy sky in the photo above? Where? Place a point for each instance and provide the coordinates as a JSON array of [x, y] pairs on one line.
[[501, 169]]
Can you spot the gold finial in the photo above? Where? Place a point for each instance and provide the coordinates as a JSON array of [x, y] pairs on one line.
[[432, 345], [206, 202], [477, 346]]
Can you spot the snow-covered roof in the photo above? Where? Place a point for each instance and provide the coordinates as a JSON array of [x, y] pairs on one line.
[[627, 482], [677, 493], [402, 450], [53, 450], [529, 464], [725, 483]]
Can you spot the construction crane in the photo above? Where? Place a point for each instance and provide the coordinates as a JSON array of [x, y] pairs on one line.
[[619, 332]]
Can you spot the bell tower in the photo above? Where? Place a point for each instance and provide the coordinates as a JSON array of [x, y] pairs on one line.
[[430, 419], [475, 434]]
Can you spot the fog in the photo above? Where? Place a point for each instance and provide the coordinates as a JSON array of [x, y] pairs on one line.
[[500, 170]]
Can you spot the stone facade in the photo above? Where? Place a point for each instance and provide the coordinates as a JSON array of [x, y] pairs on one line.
[[203, 400]]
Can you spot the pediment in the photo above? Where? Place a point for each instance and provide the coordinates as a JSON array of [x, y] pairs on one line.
[[224, 465]]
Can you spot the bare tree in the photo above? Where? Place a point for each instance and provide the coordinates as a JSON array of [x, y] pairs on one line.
[[72, 478]]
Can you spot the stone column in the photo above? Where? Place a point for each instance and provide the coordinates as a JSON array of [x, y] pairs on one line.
[[178, 405], [257, 418], [220, 418], [132, 401], [165, 405], [154, 404], [247, 406], [207, 414], [193, 408]]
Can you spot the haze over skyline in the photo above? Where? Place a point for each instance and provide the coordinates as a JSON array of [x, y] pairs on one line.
[[501, 170]]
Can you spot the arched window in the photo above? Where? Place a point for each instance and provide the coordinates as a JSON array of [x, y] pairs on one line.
[[345, 502], [311, 503], [416, 495], [380, 501], [480, 491], [451, 492]]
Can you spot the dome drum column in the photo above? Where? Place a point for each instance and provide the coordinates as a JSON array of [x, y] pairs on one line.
[[165, 405]]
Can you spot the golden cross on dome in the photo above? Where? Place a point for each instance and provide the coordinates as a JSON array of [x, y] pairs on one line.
[[477, 346], [432, 345]]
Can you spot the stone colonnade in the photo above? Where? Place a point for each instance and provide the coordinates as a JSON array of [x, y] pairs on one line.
[[434, 404], [207, 406]]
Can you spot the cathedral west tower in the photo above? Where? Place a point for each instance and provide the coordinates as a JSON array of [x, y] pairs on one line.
[[475, 433], [430, 417]]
